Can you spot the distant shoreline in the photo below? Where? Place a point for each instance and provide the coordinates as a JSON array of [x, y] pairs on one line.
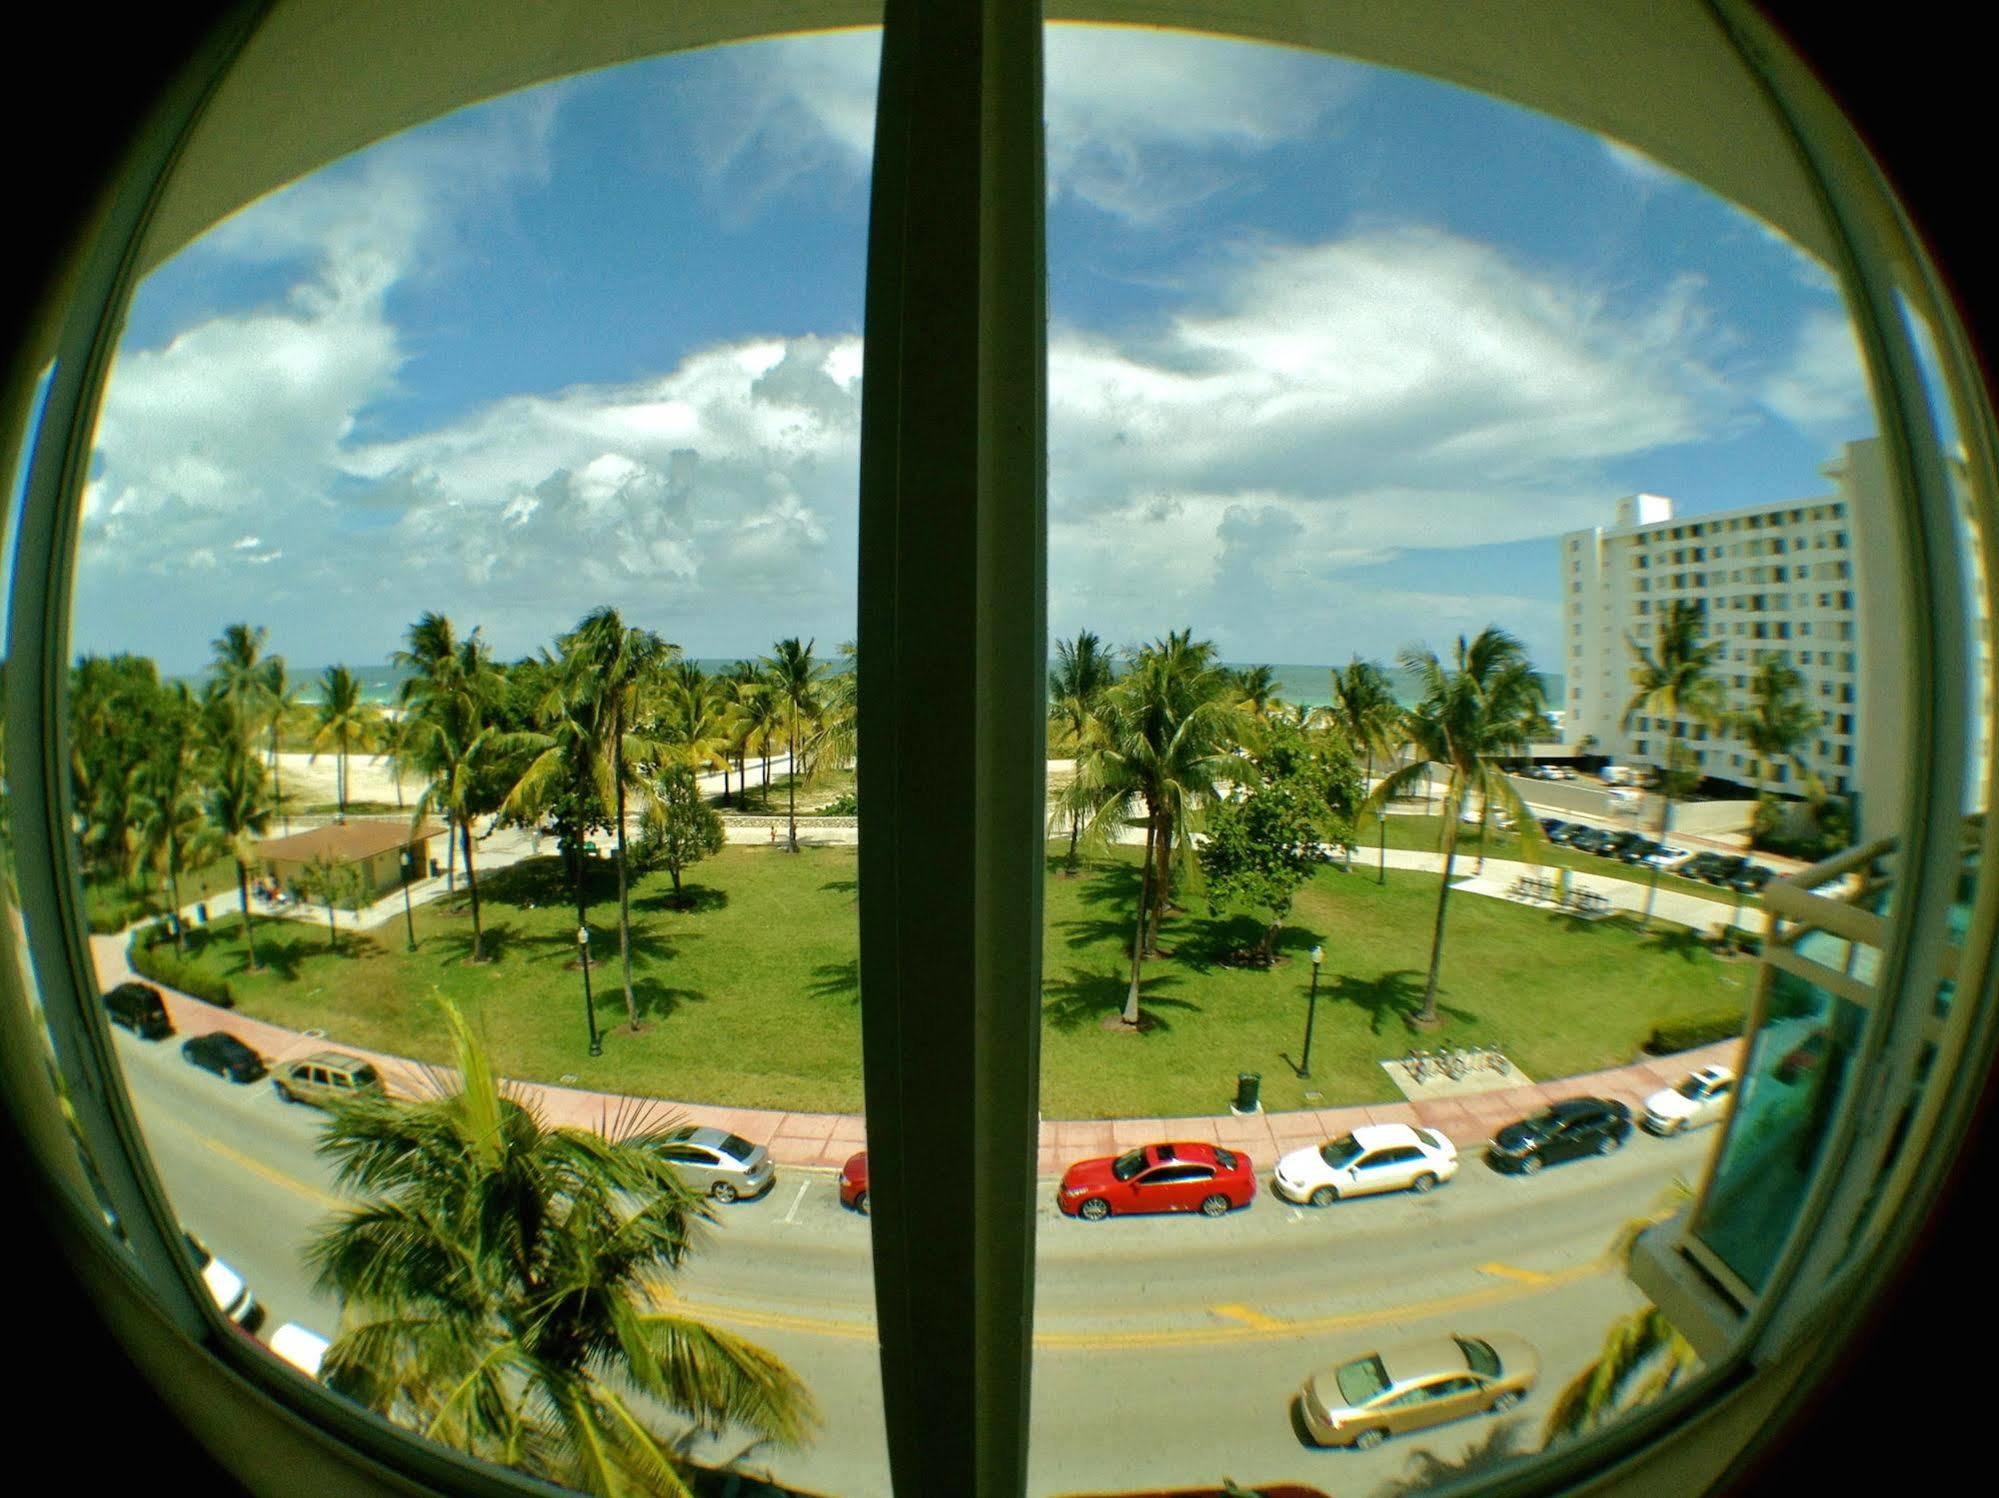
[[1305, 684]]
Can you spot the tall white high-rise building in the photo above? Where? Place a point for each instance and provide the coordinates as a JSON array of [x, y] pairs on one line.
[[1771, 580]]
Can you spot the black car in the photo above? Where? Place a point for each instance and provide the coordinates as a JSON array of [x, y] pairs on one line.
[[140, 1009], [1552, 828], [1751, 880], [1583, 838], [1701, 865], [1614, 845], [1640, 850], [1727, 869], [225, 1055], [1580, 1126]]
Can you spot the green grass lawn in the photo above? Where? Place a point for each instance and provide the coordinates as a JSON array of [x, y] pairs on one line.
[[111, 905], [750, 997], [1421, 833]]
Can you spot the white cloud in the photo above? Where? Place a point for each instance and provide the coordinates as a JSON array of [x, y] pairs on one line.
[[1823, 385], [1140, 122]]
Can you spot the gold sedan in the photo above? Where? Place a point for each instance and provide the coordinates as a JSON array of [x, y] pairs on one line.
[[1416, 1384]]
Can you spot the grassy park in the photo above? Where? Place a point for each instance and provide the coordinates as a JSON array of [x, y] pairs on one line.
[[750, 996]]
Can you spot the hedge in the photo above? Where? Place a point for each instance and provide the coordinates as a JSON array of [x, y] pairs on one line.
[[152, 955], [1690, 1030]]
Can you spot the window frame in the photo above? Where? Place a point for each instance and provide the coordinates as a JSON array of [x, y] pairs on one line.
[[982, 441]]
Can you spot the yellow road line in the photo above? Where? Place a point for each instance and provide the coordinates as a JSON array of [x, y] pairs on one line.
[[1249, 1317], [1269, 1329], [275, 1177], [1508, 1271]]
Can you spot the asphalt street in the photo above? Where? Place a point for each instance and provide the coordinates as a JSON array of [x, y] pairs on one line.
[[1167, 1349]]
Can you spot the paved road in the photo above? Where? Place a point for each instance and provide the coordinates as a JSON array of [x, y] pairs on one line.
[[1167, 1350]]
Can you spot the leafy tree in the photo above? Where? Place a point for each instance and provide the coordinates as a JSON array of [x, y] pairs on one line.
[[346, 722], [1672, 683], [1473, 711], [678, 828], [838, 739], [795, 677], [1255, 690], [1083, 672], [281, 695], [498, 1283], [1261, 848], [333, 883], [115, 706]]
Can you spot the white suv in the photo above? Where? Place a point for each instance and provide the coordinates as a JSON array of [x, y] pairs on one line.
[[1700, 1099], [1374, 1157]]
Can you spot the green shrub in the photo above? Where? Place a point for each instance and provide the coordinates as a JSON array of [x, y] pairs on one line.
[[152, 955], [845, 805], [1690, 1030]]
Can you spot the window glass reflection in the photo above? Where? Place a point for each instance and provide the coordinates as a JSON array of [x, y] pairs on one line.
[[464, 727], [1458, 602]]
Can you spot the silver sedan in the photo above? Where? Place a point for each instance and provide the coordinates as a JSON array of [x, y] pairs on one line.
[[723, 1165]]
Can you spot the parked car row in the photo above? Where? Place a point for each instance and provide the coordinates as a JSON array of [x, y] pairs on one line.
[[1548, 772], [1728, 870]]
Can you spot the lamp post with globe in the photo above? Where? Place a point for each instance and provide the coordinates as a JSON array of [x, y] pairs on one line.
[[589, 1004]]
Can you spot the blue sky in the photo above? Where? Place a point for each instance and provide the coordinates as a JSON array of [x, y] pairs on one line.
[[1333, 352]]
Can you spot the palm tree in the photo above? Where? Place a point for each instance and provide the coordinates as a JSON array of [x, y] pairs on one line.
[[448, 700], [1673, 683], [1778, 721], [623, 666], [1163, 739], [563, 777], [1365, 710], [346, 722], [762, 716], [176, 827], [1643, 1354], [499, 1279], [239, 806], [281, 694], [1425, 1469], [691, 720], [1256, 690], [795, 677], [239, 672], [1083, 672], [840, 718], [1485, 704]]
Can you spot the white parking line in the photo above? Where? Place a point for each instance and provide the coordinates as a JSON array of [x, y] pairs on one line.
[[792, 1215]]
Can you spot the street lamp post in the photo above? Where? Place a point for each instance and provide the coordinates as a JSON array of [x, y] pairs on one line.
[[1311, 1013], [409, 921], [589, 1004]]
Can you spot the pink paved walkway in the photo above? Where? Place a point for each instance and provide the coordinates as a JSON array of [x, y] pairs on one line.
[[827, 1139]]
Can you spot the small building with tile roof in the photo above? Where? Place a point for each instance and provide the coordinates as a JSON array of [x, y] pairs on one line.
[[374, 846]]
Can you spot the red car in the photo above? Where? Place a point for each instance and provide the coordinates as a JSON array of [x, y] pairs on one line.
[[854, 1182], [1201, 1178]]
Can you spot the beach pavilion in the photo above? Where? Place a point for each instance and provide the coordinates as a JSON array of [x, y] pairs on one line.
[[375, 847]]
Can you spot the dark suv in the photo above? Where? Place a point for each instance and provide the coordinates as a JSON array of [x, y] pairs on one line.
[[140, 1009], [1580, 1126]]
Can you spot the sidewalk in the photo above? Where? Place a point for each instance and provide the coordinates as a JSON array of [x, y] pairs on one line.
[[827, 1139]]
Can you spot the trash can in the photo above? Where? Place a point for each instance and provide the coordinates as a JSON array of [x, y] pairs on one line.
[[436, 869], [1247, 1085], [201, 913]]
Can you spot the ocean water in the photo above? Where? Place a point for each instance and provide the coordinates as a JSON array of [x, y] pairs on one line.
[[1298, 682]]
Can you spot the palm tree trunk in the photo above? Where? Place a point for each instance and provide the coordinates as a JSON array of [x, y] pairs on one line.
[[340, 781], [478, 932], [1427, 1018], [1665, 823], [624, 893], [450, 858], [1381, 825], [173, 896], [1075, 832], [791, 763], [249, 935], [277, 784], [1138, 936]]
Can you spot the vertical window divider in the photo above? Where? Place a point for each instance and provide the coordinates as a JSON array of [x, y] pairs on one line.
[[952, 763]]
